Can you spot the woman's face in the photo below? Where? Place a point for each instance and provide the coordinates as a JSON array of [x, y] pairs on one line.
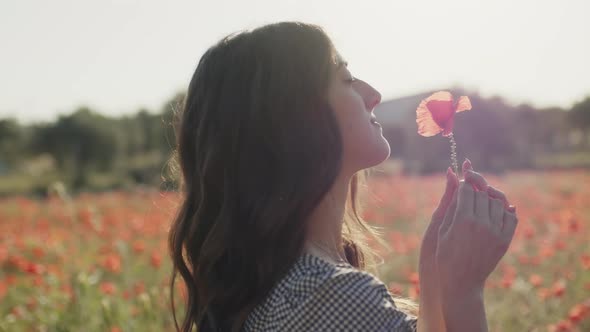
[[353, 101]]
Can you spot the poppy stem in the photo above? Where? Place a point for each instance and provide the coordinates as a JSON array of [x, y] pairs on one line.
[[454, 154]]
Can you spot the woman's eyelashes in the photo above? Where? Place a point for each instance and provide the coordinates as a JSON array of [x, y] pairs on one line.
[[351, 79]]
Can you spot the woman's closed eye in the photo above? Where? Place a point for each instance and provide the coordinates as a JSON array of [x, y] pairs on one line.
[[351, 79]]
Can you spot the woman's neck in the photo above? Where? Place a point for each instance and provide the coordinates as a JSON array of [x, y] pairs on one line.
[[327, 255], [324, 236]]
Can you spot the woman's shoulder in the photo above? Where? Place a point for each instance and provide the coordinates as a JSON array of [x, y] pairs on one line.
[[312, 274], [320, 295]]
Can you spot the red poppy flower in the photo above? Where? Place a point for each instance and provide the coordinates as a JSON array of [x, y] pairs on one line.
[[437, 112]]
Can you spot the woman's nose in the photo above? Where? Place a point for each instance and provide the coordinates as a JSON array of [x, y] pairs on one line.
[[373, 99]]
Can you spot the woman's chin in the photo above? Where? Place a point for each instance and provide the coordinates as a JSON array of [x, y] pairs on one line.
[[382, 154], [376, 154]]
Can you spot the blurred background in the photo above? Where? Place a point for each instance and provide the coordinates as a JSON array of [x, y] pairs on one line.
[[87, 93], [88, 88]]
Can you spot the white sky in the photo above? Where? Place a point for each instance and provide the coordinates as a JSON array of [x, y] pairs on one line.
[[118, 56]]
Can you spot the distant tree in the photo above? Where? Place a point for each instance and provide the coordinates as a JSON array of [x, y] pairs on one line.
[[148, 127], [166, 122], [579, 116], [130, 133], [11, 142], [485, 134], [79, 142]]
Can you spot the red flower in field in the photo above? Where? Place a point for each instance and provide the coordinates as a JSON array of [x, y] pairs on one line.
[[507, 282], [577, 313], [107, 288], [138, 246], [437, 112], [18, 311], [139, 287], [18, 262], [3, 289], [3, 253], [156, 259], [35, 269], [558, 288], [67, 289], [559, 245], [38, 252], [543, 293], [414, 278], [395, 288], [11, 280], [529, 232], [536, 280], [586, 261], [564, 326], [574, 225], [32, 303], [546, 251], [112, 263], [414, 292], [38, 281]]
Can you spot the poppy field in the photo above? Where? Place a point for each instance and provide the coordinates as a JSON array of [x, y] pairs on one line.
[[99, 262]]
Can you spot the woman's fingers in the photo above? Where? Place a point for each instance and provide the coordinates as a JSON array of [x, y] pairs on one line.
[[476, 180], [497, 214], [510, 223], [449, 215], [479, 182], [472, 176], [482, 207], [445, 201], [466, 166], [466, 200], [495, 193]]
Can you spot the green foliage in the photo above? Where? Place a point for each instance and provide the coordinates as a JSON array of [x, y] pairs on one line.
[[80, 142], [12, 140], [90, 151], [580, 114]]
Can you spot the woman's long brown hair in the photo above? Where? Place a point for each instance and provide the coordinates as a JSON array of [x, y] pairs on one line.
[[258, 147]]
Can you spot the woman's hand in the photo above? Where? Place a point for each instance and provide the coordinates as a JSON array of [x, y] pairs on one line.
[[430, 312], [427, 261], [474, 235]]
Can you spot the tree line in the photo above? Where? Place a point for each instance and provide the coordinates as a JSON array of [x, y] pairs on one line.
[[87, 150]]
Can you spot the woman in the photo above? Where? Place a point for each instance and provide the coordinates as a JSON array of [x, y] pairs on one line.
[[274, 142]]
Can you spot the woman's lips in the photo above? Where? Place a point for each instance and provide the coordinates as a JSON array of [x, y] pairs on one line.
[[374, 122]]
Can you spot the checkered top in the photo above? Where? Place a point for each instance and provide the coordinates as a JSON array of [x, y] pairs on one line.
[[317, 295]]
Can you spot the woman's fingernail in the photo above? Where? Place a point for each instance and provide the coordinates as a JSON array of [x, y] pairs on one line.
[[512, 208]]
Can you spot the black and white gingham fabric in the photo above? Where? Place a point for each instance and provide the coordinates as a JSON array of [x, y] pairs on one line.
[[317, 295]]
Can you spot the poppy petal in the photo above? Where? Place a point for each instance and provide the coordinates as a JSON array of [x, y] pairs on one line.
[[437, 113], [433, 113], [463, 104], [442, 111], [426, 125]]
